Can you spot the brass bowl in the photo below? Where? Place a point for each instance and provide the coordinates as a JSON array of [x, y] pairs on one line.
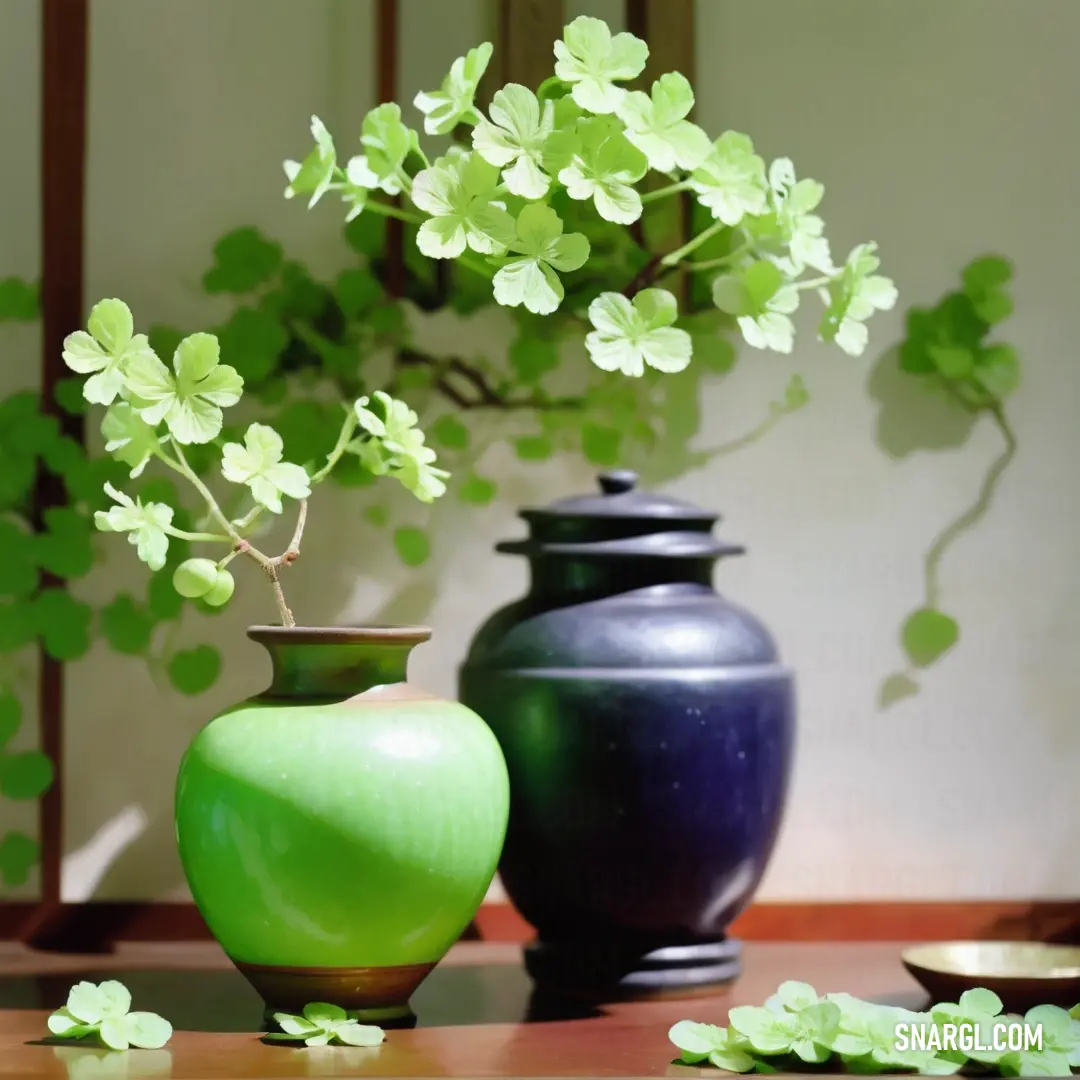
[[1022, 973]]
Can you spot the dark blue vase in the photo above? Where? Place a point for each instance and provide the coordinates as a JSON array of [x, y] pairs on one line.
[[647, 726]]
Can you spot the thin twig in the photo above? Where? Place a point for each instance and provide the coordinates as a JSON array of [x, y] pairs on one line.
[[486, 396], [972, 515], [645, 276]]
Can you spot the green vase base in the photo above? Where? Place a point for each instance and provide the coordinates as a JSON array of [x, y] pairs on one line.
[[375, 995]]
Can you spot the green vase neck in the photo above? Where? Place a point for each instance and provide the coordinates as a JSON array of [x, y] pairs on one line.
[[339, 663]]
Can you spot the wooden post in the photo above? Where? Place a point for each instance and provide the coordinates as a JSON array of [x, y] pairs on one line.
[[668, 27], [63, 153], [524, 33]]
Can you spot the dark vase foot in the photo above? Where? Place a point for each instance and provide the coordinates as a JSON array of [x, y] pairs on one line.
[[600, 971], [377, 996]]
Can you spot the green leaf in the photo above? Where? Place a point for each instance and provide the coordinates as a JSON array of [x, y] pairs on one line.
[[18, 854], [600, 444], [117, 998], [387, 142], [295, 1025], [244, 259], [18, 300], [730, 182], [308, 430], [147, 1030], [63, 624], [366, 235], [357, 291], [952, 362], [513, 139], [10, 717], [162, 600], [530, 280], [762, 302], [145, 524], [980, 1000], [927, 635], [984, 280], [477, 490], [68, 394], [322, 1014], [19, 551], [165, 340], [534, 447], [628, 335], [797, 995], [257, 463], [604, 169], [26, 775], [997, 371], [854, 295], [252, 342], [127, 626], [315, 173], [452, 103], [17, 625], [656, 124], [795, 393], [194, 671], [451, 432], [531, 357], [113, 1032], [460, 194], [65, 548], [376, 515], [87, 1002], [591, 60], [354, 1034], [65, 1026], [106, 351], [697, 1041], [411, 545]]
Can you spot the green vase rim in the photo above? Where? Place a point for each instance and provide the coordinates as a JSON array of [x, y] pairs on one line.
[[369, 634]]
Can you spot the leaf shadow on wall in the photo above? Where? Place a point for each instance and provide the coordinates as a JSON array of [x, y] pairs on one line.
[[917, 415]]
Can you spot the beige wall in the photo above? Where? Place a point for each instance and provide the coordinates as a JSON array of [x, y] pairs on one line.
[[940, 131]]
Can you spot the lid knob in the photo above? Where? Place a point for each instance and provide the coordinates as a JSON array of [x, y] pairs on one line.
[[618, 481]]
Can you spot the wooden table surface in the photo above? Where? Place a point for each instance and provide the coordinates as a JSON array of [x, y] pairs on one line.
[[477, 1016]]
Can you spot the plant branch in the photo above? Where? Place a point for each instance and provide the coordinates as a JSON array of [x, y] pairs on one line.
[[484, 395], [386, 210], [952, 532], [198, 537], [343, 439], [673, 258], [643, 278], [723, 260], [777, 412], [664, 192], [181, 466]]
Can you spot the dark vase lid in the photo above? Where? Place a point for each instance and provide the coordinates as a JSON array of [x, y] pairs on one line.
[[621, 521]]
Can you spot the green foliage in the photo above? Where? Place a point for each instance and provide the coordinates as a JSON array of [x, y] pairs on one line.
[[950, 347], [18, 854], [243, 260], [927, 635], [194, 671], [320, 1025], [799, 1031], [100, 1014], [411, 545], [574, 154]]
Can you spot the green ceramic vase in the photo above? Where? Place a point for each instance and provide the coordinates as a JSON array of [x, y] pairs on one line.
[[338, 831]]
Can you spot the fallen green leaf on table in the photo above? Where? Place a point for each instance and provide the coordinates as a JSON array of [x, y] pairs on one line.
[[797, 1030], [102, 1012], [322, 1024]]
